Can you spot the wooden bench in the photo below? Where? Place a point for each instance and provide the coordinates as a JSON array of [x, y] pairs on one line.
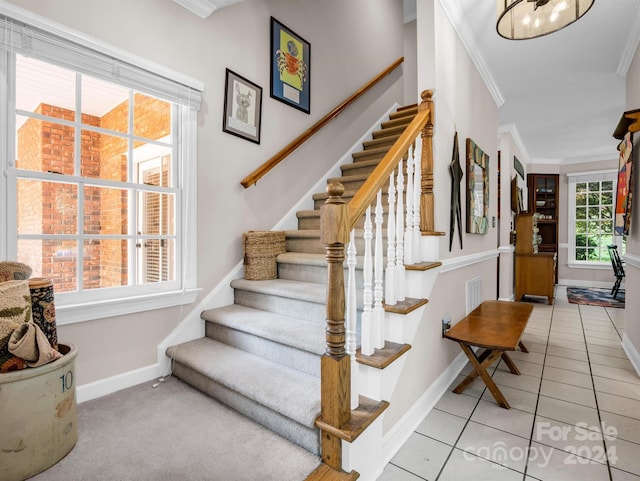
[[496, 326]]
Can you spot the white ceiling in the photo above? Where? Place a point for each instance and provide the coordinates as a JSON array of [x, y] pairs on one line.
[[564, 92]]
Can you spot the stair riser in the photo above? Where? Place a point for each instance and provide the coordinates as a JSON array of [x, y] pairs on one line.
[[316, 274], [303, 436], [306, 362], [307, 223], [371, 154], [318, 203], [305, 310], [386, 132], [401, 122], [314, 246], [382, 142]]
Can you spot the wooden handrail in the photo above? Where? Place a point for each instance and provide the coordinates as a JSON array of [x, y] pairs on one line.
[[257, 174], [376, 180]]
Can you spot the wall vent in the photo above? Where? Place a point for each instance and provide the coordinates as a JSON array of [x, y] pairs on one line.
[[474, 293]]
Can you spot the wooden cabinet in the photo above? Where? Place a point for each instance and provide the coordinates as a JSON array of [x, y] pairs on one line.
[[535, 270], [543, 200]]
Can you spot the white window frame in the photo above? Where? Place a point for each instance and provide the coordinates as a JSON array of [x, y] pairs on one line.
[[130, 68], [573, 179]]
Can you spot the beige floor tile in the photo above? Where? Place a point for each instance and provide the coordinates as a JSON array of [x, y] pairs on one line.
[[442, 426], [567, 412], [567, 377], [566, 392], [568, 364], [422, 456], [517, 399], [489, 443], [625, 428], [596, 341], [394, 473], [618, 405], [611, 336], [458, 404], [567, 353], [528, 368], [512, 420], [615, 373], [583, 440], [579, 338], [465, 466], [563, 343], [618, 475], [624, 455], [524, 382], [533, 357], [475, 389], [556, 465], [618, 388], [596, 358], [608, 351]]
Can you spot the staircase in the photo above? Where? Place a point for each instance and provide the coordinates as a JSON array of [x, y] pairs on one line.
[[261, 355]]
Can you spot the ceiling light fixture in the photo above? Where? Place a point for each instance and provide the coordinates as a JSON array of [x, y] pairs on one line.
[[523, 19]]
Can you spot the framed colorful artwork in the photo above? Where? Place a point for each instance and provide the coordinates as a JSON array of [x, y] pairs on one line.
[[290, 67], [242, 107], [477, 189], [624, 194]]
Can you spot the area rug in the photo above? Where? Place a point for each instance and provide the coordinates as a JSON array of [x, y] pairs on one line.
[[595, 296]]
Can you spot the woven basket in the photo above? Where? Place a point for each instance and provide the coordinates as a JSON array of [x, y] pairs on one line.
[[260, 251]]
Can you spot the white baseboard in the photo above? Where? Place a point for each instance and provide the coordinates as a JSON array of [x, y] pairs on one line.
[[632, 353], [578, 283], [96, 389], [402, 430]]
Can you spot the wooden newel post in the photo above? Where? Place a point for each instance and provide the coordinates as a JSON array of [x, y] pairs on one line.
[[335, 363], [427, 223]]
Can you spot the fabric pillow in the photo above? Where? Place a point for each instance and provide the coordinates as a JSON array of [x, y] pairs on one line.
[[14, 271], [15, 309]]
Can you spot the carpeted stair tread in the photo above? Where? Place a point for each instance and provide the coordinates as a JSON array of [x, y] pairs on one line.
[[284, 330], [303, 291], [284, 390]]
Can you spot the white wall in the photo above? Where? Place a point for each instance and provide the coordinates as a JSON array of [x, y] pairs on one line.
[[461, 100], [350, 43]]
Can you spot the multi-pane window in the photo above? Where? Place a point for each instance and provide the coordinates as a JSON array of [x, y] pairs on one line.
[[98, 155], [592, 204], [95, 180]]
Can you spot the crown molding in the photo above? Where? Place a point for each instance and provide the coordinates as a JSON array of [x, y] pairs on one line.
[[632, 45], [204, 8], [512, 130], [454, 12]]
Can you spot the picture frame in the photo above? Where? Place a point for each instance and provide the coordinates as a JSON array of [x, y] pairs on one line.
[[242, 107], [517, 165], [290, 67], [477, 189]]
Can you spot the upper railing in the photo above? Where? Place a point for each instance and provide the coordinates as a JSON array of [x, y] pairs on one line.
[[257, 174]]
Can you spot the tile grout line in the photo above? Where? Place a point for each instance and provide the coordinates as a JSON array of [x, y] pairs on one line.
[[595, 397], [535, 413]]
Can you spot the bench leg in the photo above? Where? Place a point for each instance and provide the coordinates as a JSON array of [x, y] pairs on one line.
[[510, 364], [481, 370], [523, 348]]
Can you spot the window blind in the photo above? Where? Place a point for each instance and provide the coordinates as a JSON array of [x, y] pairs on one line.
[[77, 52]]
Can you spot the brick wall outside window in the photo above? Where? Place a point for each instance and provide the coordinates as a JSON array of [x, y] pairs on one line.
[[51, 208]]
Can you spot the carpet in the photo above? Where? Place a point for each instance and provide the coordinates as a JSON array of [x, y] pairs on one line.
[[595, 296]]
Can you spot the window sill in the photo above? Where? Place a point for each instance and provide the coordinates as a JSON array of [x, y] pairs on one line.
[[590, 265], [75, 313]]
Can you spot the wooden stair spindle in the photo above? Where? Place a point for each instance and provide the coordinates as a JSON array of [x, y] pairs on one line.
[[427, 223], [335, 363]]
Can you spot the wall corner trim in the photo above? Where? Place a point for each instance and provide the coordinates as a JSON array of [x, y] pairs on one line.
[[461, 26], [632, 352], [512, 130], [632, 45]]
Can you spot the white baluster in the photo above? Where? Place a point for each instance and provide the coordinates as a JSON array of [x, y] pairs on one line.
[[399, 280], [352, 319], [366, 344], [390, 274], [378, 290], [417, 177], [408, 232]]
